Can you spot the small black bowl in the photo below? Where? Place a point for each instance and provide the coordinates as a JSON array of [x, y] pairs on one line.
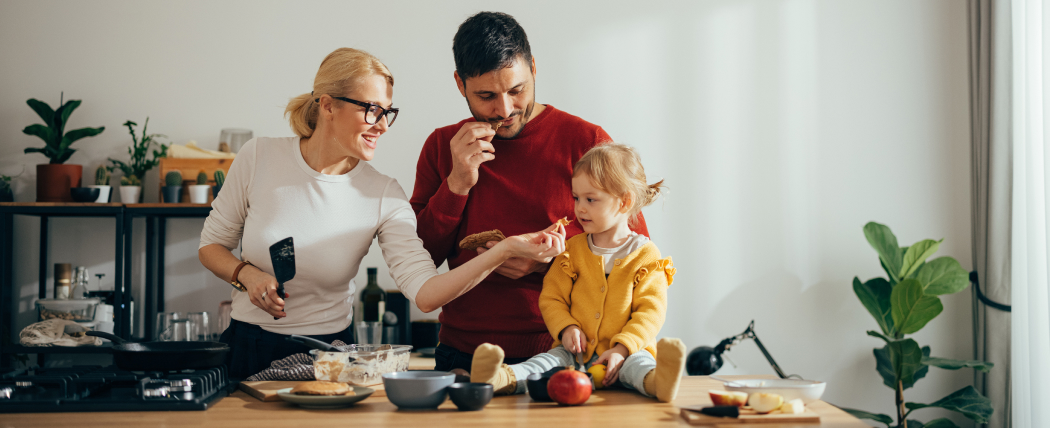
[[84, 194], [470, 396]]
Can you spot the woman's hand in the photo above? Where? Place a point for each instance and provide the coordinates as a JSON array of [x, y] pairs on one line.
[[573, 339], [613, 360], [262, 289], [529, 252]]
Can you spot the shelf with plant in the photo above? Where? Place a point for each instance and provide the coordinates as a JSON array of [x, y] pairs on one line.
[[139, 161], [55, 178]]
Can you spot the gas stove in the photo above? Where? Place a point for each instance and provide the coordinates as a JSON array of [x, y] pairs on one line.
[[109, 389]]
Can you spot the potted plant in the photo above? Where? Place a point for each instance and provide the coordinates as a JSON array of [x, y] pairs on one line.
[[199, 191], [172, 187], [130, 189], [138, 164], [220, 177], [54, 179], [105, 192], [6, 195], [902, 303]]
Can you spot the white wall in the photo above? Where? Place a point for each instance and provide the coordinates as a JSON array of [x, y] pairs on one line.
[[781, 127]]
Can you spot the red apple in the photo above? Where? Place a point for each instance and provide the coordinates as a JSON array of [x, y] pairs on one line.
[[569, 387], [728, 398]]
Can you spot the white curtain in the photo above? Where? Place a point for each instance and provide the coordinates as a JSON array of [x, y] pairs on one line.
[[1030, 266]]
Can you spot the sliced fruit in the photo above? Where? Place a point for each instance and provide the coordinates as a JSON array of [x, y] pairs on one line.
[[765, 403], [728, 398], [793, 407]]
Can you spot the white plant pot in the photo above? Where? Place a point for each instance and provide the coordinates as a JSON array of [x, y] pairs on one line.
[[199, 193], [130, 194], [103, 193]]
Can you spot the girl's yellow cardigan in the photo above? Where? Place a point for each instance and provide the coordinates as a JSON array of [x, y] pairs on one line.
[[629, 307]]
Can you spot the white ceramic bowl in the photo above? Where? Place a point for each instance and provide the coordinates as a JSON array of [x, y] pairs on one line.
[[808, 390]]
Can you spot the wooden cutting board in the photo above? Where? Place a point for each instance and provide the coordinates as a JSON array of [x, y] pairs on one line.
[[267, 390], [748, 416]]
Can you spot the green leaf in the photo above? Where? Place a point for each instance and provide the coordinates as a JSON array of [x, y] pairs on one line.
[[63, 156], [967, 401], [77, 134], [63, 112], [885, 243], [912, 369], [938, 423], [875, 296], [950, 364], [917, 254], [942, 275], [913, 424], [42, 109], [41, 131], [874, 333], [911, 308], [860, 414]]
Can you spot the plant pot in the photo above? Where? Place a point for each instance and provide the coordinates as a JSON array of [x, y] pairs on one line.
[[130, 194], [7, 195], [172, 194], [53, 181], [215, 190], [199, 193], [104, 193]]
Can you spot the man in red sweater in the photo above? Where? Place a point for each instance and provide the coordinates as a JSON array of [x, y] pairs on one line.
[[518, 178]]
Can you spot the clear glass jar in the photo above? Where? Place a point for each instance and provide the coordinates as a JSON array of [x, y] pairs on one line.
[[80, 283]]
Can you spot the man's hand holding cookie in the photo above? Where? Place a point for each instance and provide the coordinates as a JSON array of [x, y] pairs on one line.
[[471, 147]]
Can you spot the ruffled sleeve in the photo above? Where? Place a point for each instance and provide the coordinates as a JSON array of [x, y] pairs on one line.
[[648, 306], [566, 266]]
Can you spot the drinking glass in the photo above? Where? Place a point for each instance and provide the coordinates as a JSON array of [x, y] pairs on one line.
[[235, 137], [173, 327], [369, 333], [200, 328]]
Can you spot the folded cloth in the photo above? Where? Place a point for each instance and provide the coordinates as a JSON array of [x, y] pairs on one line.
[[57, 332], [190, 150], [292, 367]]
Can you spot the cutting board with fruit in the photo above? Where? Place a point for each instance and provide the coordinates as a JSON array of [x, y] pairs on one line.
[[693, 416]]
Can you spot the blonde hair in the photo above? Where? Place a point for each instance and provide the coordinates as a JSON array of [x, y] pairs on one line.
[[617, 169], [339, 72]]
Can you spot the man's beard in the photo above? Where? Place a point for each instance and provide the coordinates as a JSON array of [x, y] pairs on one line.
[[514, 132]]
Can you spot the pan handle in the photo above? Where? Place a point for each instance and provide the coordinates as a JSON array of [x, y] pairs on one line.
[[104, 335], [312, 343]]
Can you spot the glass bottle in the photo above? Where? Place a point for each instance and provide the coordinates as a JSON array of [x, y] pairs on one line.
[[373, 299], [80, 283]]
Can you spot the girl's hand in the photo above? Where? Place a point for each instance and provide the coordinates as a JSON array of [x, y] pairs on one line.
[[573, 339], [262, 290], [613, 360]]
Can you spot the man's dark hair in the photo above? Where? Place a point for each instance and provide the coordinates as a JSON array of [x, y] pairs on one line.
[[489, 41]]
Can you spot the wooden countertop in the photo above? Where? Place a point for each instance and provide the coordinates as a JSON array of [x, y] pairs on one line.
[[604, 409]]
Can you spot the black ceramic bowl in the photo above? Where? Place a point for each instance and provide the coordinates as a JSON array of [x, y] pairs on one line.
[[537, 384], [84, 194], [470, 396]]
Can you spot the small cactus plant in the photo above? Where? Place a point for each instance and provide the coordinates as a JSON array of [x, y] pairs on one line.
[[102, 176], [202, 178], [220, 177], [130, 180], [174, 178]]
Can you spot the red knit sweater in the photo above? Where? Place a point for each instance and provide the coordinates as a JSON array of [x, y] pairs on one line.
[[524, 189]]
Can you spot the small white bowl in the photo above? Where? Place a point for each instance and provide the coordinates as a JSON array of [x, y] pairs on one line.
[[808, 390]]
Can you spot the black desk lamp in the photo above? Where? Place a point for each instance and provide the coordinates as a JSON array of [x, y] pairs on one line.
[[705, 360]]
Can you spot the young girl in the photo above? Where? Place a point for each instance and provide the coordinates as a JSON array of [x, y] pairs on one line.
[[605, 298]]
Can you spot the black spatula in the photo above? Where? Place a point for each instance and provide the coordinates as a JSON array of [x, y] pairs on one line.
[[282, 255]]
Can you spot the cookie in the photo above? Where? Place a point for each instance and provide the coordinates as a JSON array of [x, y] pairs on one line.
[[496, 124], [477, 240], [319, 387], [564, 221]]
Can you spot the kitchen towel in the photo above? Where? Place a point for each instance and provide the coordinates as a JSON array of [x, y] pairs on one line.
[[57, 332], [293, 367]]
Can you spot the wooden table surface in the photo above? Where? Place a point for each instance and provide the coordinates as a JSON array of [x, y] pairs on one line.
[[604, 409]]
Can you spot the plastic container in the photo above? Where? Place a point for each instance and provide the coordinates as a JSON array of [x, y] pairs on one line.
[[370, 363], [80, 310]]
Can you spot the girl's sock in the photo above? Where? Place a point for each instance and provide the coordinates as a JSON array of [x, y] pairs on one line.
[[663, 381], [487, 367]]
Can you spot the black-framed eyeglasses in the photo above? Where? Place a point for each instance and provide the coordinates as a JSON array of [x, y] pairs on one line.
[[373, 111]]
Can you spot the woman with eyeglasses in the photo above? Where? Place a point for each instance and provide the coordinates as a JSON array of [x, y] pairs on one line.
[[319, 189]]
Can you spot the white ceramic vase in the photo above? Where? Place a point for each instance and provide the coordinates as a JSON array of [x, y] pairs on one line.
[[199, 193], [130, 194], [103, 193]]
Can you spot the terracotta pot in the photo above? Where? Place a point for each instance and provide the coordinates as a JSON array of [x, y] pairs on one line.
[[53, 181]]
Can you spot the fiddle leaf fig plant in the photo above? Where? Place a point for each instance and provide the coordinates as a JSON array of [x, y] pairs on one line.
[[902, 304], [53, 131]]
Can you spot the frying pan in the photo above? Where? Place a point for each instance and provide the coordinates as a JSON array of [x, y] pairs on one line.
[[164, 356]]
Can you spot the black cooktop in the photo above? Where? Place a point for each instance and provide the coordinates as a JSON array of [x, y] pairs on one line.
[[109, 389]]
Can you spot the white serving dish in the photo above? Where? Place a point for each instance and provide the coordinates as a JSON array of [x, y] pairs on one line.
[[808, 390], [369, 363]]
